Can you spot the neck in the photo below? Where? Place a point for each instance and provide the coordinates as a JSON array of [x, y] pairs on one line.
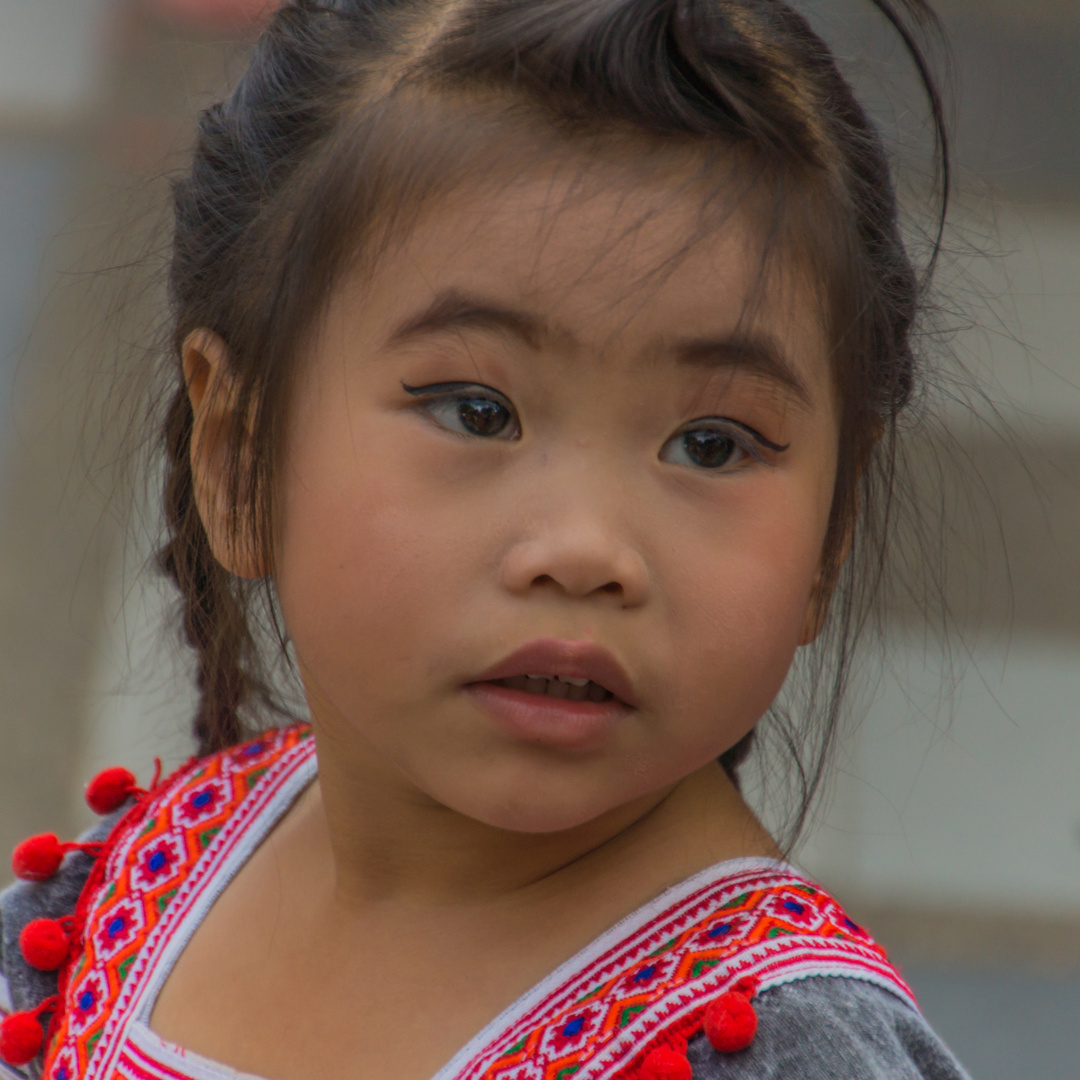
[[392, 844]]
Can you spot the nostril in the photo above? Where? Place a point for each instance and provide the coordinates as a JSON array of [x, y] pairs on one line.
[[611, 587]]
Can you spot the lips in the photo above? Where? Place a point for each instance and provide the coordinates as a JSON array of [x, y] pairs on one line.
[[565, 659]]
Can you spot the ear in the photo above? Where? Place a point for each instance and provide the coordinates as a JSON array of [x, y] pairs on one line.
[[212, 392], [822, 590]]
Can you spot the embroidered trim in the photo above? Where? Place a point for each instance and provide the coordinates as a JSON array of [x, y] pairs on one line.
[[644, 984], [155, 857], [652, 987]]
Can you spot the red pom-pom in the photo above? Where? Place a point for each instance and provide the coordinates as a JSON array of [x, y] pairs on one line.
[[38, 858], [109, 790], [21, 1038], [664, 1063], [730, 1022], [45, 944]]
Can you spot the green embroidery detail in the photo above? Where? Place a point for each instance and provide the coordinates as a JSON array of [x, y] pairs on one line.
[[702, 965], [737, 902], [164, 898], [255, 776], [93, 1041], [125, 967], [568, 1071], [516, 1048], [807, 889], [629, 1013], [149, 827], [208, 835], [778, 931], [110, 892], [664, 948], [591, 994]]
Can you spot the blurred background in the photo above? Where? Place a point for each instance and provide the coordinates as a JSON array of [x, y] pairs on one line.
[[953, 824]]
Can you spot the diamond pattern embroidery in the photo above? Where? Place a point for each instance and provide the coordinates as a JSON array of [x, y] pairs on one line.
[[599, 1021], [151, 857]]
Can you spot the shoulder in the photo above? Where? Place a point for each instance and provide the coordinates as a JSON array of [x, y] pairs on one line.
[[831, 1028], [135, 860], [23, 987], [20, 904]]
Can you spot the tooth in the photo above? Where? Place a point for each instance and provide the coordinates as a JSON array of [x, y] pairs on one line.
[[578, 693], [539, 676], [536, 684], [557, 689], [573, 680], [597, 693]]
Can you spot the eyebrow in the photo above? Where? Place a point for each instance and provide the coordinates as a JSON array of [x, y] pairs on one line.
[[454, 310], [759, 353]]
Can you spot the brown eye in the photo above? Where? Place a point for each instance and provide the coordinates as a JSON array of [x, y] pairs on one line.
[[704, 448], [476, 411], [481, 416]]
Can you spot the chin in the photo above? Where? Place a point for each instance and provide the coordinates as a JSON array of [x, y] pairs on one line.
[[541, 807]]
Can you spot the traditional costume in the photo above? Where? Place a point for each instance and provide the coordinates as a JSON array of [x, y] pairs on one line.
[[746, 969]]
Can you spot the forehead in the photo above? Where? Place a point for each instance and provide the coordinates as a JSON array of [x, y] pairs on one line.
[[598, 260]]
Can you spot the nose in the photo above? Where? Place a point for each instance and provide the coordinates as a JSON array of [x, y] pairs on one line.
[[580, 552]]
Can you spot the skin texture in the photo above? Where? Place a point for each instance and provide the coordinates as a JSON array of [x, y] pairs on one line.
[[441, 851]]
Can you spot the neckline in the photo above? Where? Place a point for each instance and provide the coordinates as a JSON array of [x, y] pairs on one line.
[[277, 791]]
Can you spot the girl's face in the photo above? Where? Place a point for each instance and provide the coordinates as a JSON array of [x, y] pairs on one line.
[[533, 444]]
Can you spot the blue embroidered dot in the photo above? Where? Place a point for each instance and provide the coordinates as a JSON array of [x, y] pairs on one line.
[[852, 925], [156, 861], [720, 931], [62, 1073], [202, 799], [116, 926], [645, 973], [574, 1026], [254, 750], [794, 907], [86, 1000]]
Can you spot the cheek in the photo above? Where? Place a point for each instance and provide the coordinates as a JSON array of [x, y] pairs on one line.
[[744, 588], [360, 581]]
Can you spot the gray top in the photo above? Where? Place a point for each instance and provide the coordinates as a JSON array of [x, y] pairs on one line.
[[823, 1028]]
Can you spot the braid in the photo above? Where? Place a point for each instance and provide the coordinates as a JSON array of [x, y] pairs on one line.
[[214, 622]]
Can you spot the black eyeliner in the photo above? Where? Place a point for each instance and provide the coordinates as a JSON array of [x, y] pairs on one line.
[[776, 448], [444, 388]]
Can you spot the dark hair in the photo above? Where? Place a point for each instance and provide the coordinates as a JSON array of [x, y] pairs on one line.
[[340, 123]]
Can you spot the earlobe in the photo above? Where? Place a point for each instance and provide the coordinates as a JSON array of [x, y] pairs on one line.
[[814, 618], [211, 390], [821, 592]]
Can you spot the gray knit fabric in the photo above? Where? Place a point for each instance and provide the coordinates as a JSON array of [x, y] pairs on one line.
[[28, 900], [824, 1028], [831, 1028]]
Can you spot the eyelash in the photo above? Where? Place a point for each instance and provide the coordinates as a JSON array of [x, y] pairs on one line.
[[447, 393], [748, 441]]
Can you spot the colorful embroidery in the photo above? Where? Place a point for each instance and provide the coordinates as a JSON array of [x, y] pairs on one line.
[[653, 986], [150, 855], [642, 986]]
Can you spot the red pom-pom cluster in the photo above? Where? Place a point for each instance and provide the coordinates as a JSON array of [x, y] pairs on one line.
[[109, 790], [38, 858], [664, 1063], [21, 1038], [730, 1021], [45, 944]]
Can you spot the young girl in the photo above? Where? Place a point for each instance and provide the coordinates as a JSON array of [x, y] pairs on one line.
[[540, 362]]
